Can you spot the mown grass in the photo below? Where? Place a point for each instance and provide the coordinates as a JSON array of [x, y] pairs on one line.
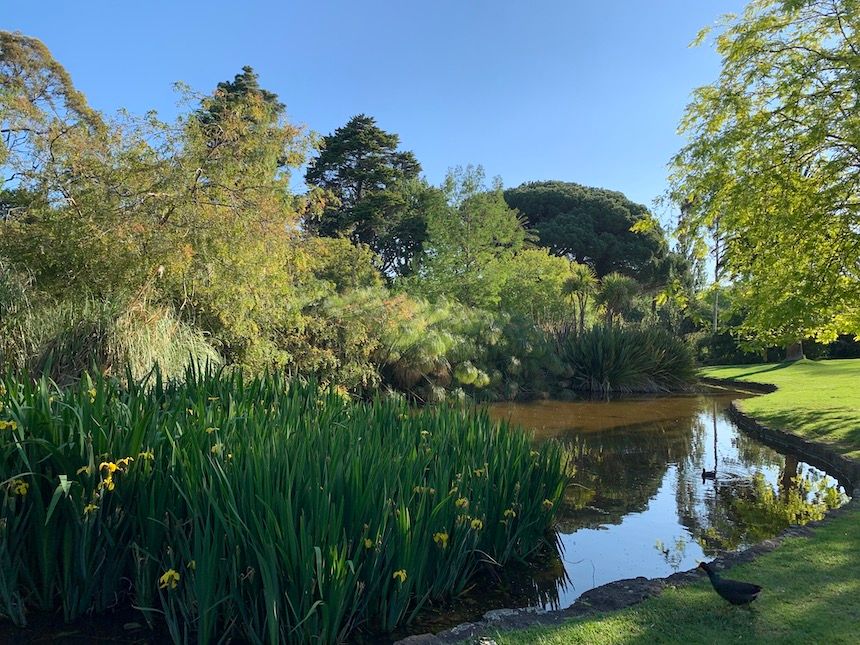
[[818, 400], [811, 585], [810, 596], [253, 508]]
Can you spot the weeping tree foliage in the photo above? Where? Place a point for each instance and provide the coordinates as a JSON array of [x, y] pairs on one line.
[[773, 163], [236, 271], [194, 215]]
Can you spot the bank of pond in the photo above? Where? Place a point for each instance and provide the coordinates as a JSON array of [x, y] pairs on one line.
[[269, 511]]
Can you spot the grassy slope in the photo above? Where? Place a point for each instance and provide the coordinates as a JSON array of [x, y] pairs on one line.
[[811, 585], [819, 400]]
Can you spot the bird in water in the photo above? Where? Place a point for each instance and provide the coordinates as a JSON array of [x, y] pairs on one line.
[[709, 474], [735, 591]]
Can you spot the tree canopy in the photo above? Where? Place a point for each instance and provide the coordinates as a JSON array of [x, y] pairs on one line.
[[229, 94], [535, 288], [241, 99], [471, 240], [196, 214], [591, 226], [377, 199], [773, 163], [181, 240]]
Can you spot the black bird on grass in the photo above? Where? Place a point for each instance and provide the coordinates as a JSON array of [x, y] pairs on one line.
[[735, 591]]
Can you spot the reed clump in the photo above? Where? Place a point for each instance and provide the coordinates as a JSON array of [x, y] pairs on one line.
[[254, 507]]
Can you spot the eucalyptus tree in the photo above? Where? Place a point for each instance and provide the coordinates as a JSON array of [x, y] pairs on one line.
[[52, 145], [773, 160], [40, 109]]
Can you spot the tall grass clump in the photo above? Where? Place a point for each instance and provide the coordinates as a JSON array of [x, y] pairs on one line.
[[64, 339], [612, 358], [255, 508]]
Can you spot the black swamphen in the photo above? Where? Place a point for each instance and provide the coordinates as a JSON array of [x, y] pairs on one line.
[[736, 592]]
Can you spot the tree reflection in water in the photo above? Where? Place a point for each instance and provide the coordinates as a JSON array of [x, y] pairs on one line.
[[638, 504]]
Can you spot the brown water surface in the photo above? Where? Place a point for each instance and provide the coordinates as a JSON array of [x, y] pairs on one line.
[[562, 419]]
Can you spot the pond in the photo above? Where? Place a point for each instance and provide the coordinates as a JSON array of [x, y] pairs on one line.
[[639, 504]]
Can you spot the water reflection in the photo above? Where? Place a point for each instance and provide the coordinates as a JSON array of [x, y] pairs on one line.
[[660, 484]]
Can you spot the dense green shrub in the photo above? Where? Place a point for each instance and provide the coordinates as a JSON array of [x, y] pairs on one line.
[[523, 364], [536, 288], [255, 508], [610, 358]]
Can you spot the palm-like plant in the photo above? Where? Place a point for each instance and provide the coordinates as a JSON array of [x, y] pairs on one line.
[[581, 284], [616, 294]]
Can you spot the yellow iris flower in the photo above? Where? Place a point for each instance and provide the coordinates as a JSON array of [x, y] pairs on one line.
[[169, 579]]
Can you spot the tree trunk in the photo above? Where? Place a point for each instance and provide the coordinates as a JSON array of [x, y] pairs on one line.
[[794, 352], [788, 477], [583, 301], [716, 311]]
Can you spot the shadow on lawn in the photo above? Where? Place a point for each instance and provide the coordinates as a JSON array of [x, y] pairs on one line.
[[835, 426], [764, 368]]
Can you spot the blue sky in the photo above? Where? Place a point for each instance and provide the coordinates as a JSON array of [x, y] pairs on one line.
[[575, 90]]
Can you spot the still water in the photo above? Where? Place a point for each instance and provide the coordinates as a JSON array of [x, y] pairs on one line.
[[640, 505]]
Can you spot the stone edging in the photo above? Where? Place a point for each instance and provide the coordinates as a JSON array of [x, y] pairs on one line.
[[625, 593], [817, 454]]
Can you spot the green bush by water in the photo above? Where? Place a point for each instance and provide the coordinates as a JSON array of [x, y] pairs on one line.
[[611, 358], [254, 508]]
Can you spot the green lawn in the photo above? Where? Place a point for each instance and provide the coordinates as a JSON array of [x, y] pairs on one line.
[[811, 585], [819, 400]]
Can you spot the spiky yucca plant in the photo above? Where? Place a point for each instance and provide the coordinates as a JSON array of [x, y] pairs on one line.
[[610, 358]]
